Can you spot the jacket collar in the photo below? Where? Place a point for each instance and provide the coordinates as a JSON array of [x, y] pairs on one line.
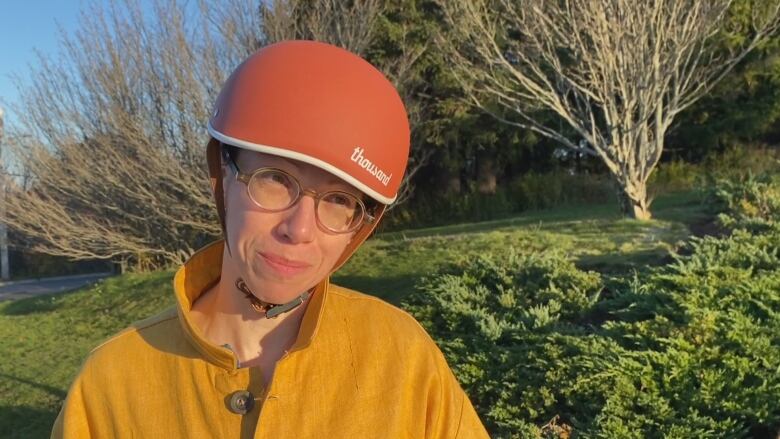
[[200, 273]]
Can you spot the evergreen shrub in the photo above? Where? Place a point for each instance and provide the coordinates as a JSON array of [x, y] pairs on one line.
[[749, 202], [689, 349]]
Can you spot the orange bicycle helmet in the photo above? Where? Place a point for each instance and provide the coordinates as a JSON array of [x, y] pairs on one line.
[[319, 104]]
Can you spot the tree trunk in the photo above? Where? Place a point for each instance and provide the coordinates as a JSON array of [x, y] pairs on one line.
[[633, 200], [486, 175]]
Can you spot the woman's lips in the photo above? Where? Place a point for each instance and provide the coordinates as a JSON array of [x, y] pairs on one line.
[[283, 265]]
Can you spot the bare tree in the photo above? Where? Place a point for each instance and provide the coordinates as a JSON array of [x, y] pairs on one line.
[[347, 24], [353, 25], [617, 72], [111, 135]]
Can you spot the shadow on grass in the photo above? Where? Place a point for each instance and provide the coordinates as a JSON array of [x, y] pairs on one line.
[[42, 303], [33, 305], [389, 288], [54, 391], [685, 207], [22, 422], [622, 264], [25, 421]]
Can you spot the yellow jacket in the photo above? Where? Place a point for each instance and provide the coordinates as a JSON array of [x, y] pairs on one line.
[[360, 368]]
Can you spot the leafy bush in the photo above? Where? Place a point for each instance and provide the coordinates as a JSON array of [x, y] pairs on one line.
[[542, 191], [733, 163], [427, 210], [676, 175], [690, 349], [532, 191], [27, 265], [751, 202], [739, 159]]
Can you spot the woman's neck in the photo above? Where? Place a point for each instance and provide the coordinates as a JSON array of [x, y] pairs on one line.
[[225, 316]]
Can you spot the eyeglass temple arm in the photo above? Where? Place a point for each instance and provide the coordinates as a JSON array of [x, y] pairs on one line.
[[232, 164]]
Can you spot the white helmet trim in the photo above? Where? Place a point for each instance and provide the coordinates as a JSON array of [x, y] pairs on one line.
[[303, 158]]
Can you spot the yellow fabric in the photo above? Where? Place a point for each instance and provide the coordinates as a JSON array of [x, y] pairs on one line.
[[360, 368]]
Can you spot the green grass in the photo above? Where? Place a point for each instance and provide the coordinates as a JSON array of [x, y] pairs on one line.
[[45, 339], [597, 237]]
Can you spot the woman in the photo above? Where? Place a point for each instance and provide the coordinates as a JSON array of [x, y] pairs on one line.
[[308, 145]]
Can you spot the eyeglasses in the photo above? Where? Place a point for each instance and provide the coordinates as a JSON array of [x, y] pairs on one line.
[[274, 190]]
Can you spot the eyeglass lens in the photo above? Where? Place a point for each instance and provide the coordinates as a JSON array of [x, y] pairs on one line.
[[276, 190]]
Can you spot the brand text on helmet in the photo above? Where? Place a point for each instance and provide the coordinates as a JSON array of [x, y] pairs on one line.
[[357, 157]]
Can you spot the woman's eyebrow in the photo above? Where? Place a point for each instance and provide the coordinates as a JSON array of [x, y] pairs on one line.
[[333, 180], [295, 163], [279, 162], [337, 181]]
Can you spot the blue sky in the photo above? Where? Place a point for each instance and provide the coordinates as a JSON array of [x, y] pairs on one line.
[[25, 26], [30, 25]]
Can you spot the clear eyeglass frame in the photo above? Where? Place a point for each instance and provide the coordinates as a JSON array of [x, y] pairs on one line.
[[245, 178]]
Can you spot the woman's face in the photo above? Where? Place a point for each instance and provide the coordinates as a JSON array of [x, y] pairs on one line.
[[279, 254]]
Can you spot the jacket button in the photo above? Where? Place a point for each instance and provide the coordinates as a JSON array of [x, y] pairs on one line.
[[241, 402]]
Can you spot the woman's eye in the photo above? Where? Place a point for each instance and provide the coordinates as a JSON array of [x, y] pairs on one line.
[[276, 178], [341, 200]]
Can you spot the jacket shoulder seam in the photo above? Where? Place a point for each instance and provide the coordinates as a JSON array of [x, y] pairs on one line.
[[133, 329], [356, 295], [349, 294], [401, 313]]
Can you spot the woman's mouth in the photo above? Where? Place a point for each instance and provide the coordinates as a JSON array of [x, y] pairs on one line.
[[282, 265]]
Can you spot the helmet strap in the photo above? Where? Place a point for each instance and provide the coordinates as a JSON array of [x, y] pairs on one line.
[[270, 310], [214, 154]]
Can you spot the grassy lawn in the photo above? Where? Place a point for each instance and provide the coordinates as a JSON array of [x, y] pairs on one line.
[[597, 237], [45, 339]]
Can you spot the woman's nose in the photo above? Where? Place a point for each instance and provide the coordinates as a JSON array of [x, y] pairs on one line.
[[300, 222]]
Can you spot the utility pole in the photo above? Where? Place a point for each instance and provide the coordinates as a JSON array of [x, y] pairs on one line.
[[5, 272]]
